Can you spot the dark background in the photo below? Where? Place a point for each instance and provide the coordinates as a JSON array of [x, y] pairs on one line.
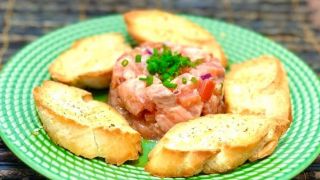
[[293, 23]]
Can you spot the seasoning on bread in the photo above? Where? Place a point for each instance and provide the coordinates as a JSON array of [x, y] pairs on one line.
[[258, 86], [160, 26], [84, 126], [214, 144], [89, 61]]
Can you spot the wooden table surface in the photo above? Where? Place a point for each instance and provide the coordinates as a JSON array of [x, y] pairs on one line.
[[285, 21]]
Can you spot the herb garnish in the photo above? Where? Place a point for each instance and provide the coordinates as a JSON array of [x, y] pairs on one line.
[[148, 79], [124, 63], [167, 65], [138, 58]]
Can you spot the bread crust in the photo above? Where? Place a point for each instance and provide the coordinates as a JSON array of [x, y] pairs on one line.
[[167, 162], [159, 26], [82, 138], [250, 88], [89, 61], [258, 86], [234, 139]]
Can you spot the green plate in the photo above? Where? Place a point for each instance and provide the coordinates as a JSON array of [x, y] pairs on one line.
[[19, 122]]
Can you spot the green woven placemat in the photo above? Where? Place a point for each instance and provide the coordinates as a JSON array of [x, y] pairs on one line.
[[27, 69]]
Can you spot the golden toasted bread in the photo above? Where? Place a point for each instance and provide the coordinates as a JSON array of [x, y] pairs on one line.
[[89, 61], [214, 144], [258, 86], [84, 126], [160, 26]]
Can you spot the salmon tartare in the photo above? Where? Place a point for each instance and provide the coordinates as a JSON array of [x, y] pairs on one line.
[[158, 85]]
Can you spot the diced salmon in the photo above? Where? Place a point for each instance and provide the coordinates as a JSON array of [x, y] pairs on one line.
[[177, 114], [133, 95], [164, 122], [188, 98], [212, 68], [194, 54], [154, 109], [148, 130], [167, 118], [161, 96], [130, 71], [213, 106]]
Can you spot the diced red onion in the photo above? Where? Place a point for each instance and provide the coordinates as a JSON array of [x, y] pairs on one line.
[[149, 51], [206, 76], [176, 92]]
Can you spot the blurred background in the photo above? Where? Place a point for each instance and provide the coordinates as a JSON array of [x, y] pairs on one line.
[[293, 23]]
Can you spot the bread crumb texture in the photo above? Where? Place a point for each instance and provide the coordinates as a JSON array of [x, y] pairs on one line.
[[84, 126]]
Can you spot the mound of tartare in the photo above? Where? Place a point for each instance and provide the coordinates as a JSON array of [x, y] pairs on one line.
[[158, 85]]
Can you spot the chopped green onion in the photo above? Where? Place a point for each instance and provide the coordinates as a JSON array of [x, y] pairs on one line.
[[148, 80], [124, 63], [194, 80], [165, 76], [184, 80], [169, 84], [167, 64], [155, 51], [138, 58]]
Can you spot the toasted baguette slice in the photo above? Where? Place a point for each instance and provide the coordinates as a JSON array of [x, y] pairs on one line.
[[84, 126], [214, 144], [89, 61], [160, 26], [258, 86]]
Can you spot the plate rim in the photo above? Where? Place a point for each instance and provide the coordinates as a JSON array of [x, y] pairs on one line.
[[45, 172]]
